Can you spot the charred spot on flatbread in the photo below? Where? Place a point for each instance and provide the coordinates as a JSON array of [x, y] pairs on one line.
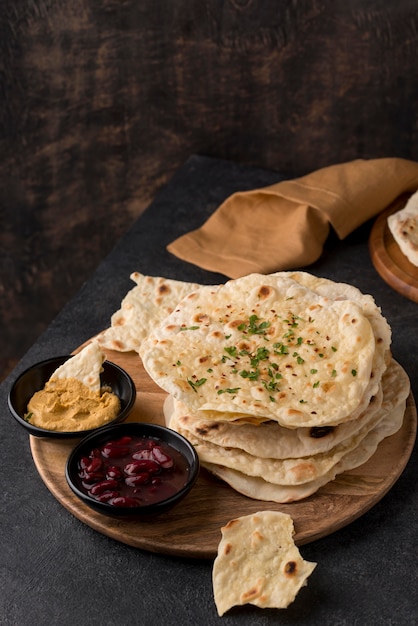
[[258, 563], [317, 432]]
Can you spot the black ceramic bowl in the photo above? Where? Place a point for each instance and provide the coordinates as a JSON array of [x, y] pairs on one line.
[[34, 378], [162, 488]]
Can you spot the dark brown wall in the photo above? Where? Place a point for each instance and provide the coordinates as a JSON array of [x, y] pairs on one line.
[[101, 101]]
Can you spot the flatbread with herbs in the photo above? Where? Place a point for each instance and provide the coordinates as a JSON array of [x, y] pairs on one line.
[[266, 346]]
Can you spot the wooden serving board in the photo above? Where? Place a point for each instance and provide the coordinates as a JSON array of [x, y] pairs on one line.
[[192, 529], [387, 257]]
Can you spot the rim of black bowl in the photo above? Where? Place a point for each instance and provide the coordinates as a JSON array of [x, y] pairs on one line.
[[154, 429], [54, 362]]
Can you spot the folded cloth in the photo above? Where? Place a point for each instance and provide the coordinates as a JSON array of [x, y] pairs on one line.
[[284, 226]]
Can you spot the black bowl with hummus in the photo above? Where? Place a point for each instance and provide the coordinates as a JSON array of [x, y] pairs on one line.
[[132, 469], [70, 413]]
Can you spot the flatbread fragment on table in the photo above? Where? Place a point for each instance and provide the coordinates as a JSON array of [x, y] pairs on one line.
[[404, 227], [258, 563]]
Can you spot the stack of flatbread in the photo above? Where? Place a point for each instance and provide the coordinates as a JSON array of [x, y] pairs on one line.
[[280, 381]]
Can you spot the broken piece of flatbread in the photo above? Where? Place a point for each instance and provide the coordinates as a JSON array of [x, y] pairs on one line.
[[85, 366], [404, 227], [258, 563], [144, 306]]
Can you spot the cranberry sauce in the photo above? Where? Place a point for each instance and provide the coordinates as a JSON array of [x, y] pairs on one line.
[[132, 471]]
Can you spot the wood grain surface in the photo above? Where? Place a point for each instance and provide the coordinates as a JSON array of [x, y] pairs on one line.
[[102, 101], [388, 259], [192, 529]]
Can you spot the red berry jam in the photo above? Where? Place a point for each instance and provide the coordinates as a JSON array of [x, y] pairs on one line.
[[132, 471]]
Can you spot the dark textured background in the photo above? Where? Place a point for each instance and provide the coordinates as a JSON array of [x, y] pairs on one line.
[[101, 101]]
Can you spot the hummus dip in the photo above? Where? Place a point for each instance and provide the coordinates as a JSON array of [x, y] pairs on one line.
[[65, 405]]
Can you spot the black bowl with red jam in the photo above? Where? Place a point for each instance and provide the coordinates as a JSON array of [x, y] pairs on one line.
[[132, 469]]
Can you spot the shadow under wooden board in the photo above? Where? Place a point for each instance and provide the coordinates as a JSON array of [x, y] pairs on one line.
[[192, 529], [388, 259]]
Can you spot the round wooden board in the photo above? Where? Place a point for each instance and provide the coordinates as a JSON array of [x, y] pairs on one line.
[[387, 258], [193, 528]]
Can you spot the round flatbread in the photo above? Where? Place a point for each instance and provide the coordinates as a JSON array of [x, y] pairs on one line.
[[266, 346]]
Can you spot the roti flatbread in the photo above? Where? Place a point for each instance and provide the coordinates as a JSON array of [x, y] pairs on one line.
[[265, 346], [85, 366], [404, 227], [144, 306], [258, 563]]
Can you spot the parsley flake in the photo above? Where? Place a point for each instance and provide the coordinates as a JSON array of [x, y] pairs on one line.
[[196, 383], [228, 390]]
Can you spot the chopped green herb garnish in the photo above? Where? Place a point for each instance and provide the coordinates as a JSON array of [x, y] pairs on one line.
[[280, 348], [270, 385], [253, 327], [299, 359], [229, 390], [261, 355], [354, 372], [251, 375], [196, 383]]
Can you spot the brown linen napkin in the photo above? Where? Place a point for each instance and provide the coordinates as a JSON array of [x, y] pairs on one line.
[[284, 226]]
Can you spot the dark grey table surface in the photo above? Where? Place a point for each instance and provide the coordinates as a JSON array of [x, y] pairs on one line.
[[54, 570]]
